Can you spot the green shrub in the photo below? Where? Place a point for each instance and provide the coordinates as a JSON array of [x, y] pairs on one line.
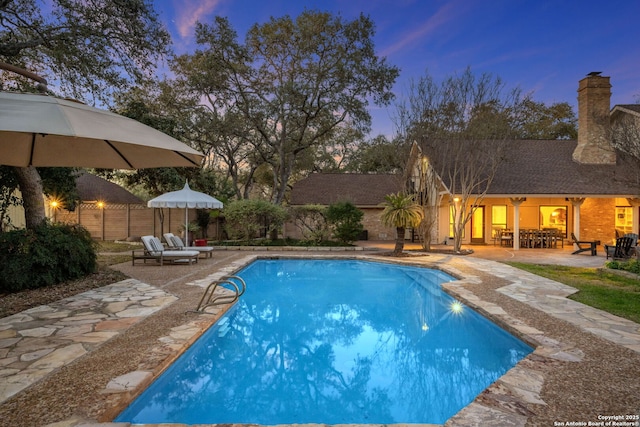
[[311, 220], [44, 256], [346, 220], [248, 219], [632, 266]]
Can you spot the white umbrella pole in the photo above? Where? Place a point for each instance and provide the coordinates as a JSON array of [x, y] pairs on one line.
[[186, 225]]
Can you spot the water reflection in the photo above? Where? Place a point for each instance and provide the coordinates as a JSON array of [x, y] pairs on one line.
[[334, 342]]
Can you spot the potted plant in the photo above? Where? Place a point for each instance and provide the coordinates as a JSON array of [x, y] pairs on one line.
[[192, 228]]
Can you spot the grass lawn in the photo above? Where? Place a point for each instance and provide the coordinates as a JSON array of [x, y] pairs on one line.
[[610, 292], [110, 253]]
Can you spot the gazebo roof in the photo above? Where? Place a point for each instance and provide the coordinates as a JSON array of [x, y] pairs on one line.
[[94, 188]]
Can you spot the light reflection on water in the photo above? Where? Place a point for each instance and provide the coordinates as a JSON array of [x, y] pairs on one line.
[[335, 341]]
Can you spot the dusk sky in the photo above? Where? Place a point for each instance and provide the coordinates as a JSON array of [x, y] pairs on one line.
[[541, 46]]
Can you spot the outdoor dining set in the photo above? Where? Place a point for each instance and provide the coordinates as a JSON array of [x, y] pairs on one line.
[[532, 238], [625, 247]]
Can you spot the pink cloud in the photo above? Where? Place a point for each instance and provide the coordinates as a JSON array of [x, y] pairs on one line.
[[188, 12], [443, 16]]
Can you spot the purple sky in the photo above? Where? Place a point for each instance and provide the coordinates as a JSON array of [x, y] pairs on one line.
[[541, 46]]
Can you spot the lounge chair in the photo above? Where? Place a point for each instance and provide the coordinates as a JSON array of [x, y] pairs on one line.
[[175, 243], [624, 247], [585, 245], [154, 250]]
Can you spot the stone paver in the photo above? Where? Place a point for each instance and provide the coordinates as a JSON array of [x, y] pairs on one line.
[[35, 342]]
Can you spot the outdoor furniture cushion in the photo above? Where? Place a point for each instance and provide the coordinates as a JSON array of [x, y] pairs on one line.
[[175, 242], [153, 249]]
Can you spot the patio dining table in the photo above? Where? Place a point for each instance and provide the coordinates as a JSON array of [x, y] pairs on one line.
[[534, 238]]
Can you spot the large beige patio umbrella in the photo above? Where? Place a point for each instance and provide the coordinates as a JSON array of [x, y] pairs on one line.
[[41, 130], [185, 198]]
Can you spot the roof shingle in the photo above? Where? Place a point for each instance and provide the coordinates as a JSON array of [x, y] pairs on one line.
[[359, 189], [92, 188]]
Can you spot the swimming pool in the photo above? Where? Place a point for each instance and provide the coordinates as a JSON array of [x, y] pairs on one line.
[[333, 341]]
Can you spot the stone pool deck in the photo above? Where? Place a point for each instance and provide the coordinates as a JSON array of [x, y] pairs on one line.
[[79, 361]]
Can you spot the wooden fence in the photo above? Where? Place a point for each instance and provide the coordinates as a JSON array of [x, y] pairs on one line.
[[130, 221]]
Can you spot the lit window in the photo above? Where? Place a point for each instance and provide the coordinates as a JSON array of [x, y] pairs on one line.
[[498, 219], [554, 217]]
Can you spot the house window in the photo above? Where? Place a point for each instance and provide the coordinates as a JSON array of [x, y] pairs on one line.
[[554, 217], [624, 219], [498, 219]]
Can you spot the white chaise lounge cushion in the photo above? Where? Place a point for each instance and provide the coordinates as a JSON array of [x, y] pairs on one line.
[[153, 245], [176, 242]]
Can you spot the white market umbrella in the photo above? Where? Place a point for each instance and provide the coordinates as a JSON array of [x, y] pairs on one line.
[[42, 130], [187, 199]]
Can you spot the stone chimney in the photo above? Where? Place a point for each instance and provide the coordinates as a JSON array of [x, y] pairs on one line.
[[594, 143]]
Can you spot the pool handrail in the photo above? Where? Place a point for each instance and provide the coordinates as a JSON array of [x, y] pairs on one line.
[[208, 298]]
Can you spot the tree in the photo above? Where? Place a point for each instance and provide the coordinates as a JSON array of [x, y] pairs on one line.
[[311, 220], [462, 125], [402, 212], [346, 220], [290, 86], [625, 133], [538, 121], [89, 50], [379, 155], [248, 219]]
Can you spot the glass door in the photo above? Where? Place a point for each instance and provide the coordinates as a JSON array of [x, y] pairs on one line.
[[477, 225]]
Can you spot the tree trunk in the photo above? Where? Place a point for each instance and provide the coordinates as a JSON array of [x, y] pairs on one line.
[[32, 196], [399, 241]]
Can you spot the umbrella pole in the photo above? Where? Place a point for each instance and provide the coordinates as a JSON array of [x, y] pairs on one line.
[[186, 225]]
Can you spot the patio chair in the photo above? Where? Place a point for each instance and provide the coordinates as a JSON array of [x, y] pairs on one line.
[[154, 250], [175, 243], [506, 237], [624, 248], [585, 245]]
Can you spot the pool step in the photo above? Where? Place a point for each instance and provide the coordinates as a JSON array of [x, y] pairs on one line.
[[224, 330]]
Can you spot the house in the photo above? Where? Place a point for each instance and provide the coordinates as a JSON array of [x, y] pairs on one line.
[[578, 186], [582, 186]]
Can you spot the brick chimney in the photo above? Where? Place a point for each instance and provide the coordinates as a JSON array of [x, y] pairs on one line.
[[594, 98]]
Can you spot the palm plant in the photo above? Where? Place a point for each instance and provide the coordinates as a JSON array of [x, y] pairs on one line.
[[401, 211]]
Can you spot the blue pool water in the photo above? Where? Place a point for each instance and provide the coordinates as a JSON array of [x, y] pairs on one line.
[[333, 341]]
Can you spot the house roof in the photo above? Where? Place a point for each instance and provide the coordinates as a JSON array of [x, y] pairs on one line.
[[359, 189], [94, 188], [546, 167], [633, 109]]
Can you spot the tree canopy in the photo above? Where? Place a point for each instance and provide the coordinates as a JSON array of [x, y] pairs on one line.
[[86, 50], [89, 50], [290, 87], [462, 124]]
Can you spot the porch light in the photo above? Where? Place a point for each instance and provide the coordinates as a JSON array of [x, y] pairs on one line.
[[100, 204], [54, 204]]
